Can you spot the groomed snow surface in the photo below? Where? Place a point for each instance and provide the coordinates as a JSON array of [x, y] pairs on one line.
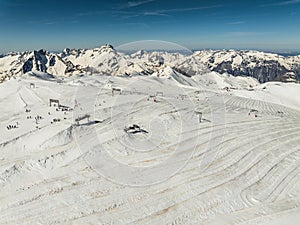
[[78, 164]]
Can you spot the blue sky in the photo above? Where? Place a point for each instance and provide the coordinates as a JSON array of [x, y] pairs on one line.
[[195, 24]]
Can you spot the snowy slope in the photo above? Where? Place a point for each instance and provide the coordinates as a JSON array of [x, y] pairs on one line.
[[276, 92], [232, 168]]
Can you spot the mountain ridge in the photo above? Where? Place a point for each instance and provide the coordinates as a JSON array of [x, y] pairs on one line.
[[108, 61]]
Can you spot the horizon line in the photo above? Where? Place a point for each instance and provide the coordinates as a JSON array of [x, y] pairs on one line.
[[266, 50]]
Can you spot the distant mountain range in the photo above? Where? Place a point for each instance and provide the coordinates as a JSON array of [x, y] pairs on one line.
[[107, 61]]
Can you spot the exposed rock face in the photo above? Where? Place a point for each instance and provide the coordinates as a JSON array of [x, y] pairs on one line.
[[267, 72], [28, 65], [262, 66], [287, 77], [70, 67], [52, 61], [40, 60]]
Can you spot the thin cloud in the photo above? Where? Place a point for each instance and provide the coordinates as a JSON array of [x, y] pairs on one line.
[[186, 9], [132, 4], [236, 23], [138, 3], [127, 16], [282, 3], [123, 14], [50, 23], [155, 14], [242, 34]]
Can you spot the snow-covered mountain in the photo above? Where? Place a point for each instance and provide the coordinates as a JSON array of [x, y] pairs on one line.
[[15, 64], [108, 61], [263, 66]]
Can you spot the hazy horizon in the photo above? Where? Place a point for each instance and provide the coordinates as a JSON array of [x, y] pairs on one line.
[[285, 52]]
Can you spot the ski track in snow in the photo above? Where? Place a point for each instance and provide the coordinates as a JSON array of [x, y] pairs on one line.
[[251, 177]]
